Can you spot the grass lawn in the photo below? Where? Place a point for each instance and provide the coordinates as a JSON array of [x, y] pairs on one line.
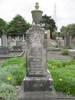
[[12, 73], [63, 73]]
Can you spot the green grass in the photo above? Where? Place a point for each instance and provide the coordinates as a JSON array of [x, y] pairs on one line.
[[14, 61], [63, 73], [12, 73], [13, 70]]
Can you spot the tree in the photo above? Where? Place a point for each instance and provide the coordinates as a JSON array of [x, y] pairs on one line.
[[63, 31], [3, 26], [49, 24], [56, 34], [17, 26], [69, 28]]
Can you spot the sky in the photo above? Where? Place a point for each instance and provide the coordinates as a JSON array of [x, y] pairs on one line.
[[63, 13]]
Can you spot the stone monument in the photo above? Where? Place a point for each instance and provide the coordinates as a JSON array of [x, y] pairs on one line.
[[37, 78], [36, 70]]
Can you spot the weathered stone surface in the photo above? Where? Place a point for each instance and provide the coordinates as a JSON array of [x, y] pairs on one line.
[[4, 50], [36, 53], [37, 14], [67, 40], [4, 40], [37, 78], [38, 84], [43, 96]]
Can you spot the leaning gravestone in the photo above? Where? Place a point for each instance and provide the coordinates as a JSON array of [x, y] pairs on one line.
[[37, 81]]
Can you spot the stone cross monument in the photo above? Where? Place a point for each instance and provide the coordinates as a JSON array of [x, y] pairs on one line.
[[37, 77]]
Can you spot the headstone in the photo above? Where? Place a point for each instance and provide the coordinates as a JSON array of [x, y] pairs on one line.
[[17, 38], [4, 45], [60, 42], [67, 40], [48, 34], [9, 41], [23, 39], [37, 77], [0, 42], [37, 84], [73, 42], [13, 42], [4, 40], [19, 43]]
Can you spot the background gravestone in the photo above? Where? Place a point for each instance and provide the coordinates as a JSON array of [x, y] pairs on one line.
[[4, 45], [4, 40], [67, 40], [9, 42]]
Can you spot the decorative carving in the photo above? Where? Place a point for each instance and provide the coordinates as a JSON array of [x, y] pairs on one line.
[[37, 5]]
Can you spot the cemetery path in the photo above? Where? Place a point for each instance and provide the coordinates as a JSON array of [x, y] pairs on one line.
[[56, 55]]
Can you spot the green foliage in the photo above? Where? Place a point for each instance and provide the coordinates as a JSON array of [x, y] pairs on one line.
[[56, 34], [17, 26], [8, 92], [3, 26], [49, 23], [64, 51], [13, 71], [6, 76], [13, 74], [70, 29], [63, 73], [14, 61], [63, 31]]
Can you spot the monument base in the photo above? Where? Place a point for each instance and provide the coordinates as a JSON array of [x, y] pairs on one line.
[[37, 88], [38, 84], [40, 95]]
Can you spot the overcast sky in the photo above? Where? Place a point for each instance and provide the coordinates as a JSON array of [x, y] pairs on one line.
[[65, 9]]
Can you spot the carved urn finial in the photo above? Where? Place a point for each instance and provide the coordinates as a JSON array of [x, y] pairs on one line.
[[37, 5], [36, 14]]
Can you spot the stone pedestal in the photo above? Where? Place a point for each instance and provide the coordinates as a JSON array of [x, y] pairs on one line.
[[39, 95], [38, 84]]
